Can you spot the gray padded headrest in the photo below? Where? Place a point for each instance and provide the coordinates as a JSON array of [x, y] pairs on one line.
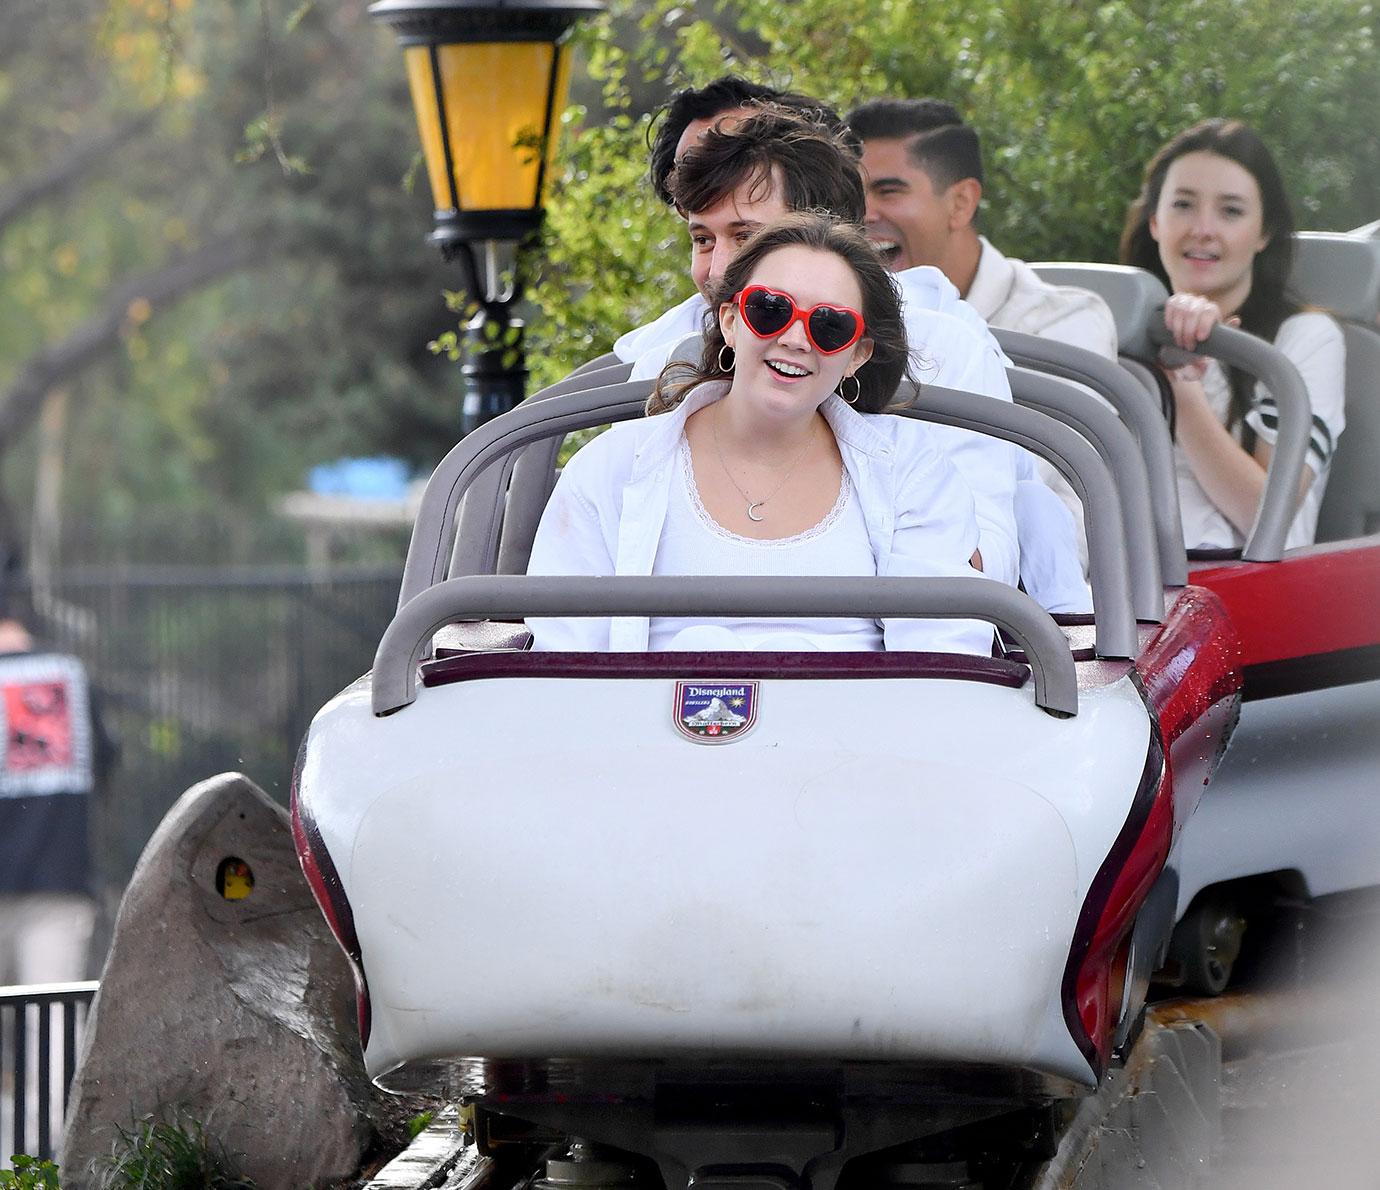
[[687, 350], [1340, 272], [1370, 231], [1133, 295]]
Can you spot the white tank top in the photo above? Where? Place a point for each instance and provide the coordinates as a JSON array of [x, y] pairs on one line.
[[692, 542]]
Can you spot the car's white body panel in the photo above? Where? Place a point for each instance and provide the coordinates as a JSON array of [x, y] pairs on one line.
[[877, 869]]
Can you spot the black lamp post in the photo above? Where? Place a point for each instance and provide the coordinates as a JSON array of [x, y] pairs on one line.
[[489, 80]]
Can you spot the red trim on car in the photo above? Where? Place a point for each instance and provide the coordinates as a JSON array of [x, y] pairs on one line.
[[800, 666], [329, 891], [1192, 663], [1320, 599], [1188, 670]]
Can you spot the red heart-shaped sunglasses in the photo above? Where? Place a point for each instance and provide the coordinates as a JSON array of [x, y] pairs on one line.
[[767, 313]]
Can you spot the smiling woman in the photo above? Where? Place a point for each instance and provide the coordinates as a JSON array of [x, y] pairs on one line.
[[760, 463], [1213, 222]]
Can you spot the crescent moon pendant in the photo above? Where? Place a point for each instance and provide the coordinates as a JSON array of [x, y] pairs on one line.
[[751, 511]]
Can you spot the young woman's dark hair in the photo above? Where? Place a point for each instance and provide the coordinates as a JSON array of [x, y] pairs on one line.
[[724, 95], [889, 364], [1269, 302]]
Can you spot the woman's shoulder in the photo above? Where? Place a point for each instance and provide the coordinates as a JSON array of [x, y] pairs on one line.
[[614, 452], [910, 437], [915, 455], [1309, 329]]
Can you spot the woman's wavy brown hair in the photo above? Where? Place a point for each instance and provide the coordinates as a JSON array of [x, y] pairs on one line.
[[877, 379]]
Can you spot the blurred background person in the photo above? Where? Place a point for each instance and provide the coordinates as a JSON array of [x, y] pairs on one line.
[[54, 754]]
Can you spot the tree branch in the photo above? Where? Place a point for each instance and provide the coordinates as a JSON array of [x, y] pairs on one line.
[[21, 401], [67, 169]]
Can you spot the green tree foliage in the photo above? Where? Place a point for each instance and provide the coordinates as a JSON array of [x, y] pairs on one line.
[[1071, 100], [139, 135]]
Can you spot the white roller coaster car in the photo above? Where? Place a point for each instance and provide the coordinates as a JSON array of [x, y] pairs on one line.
[[752, 917]]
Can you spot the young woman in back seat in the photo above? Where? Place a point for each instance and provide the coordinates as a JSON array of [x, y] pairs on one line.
[[1213, 223], [760, 462]]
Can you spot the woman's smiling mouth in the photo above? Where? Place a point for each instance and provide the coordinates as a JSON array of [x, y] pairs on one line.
[[787, 371]]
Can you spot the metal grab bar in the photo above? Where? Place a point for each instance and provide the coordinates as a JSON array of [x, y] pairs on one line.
[[529, 422], [1137, 300], [1138, 410], [1065, 448], [1114, 442], [482, 510], [1264, 361], [514, 596], [1108, 565]]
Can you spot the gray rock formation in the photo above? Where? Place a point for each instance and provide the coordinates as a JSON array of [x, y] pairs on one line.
[[239, 1012]]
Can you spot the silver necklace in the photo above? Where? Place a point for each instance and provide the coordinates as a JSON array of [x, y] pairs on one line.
[[753, 505]]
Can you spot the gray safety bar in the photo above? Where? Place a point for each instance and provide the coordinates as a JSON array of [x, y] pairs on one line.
[[1278, 504], [607, 360], [1159, 501], [490, 446], [482, 597], [1154, 548], [1132, 294], [1067, 450], [1077, 461], [1137, 300], [1118, 448], [1155, 559], [1139, 410], [535, 467], [584, 378], [481, 515]]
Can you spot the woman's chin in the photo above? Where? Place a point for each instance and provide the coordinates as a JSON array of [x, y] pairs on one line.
[[788, 400]]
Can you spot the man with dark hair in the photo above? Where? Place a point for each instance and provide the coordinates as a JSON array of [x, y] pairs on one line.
[[923, 169], [771, 156], [693, 111], [741, 176]]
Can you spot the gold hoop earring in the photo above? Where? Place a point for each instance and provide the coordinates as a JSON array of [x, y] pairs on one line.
[[725, 367], [857, 389]]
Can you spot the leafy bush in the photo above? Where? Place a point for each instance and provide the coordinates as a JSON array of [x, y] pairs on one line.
[[419, 1124], [29, 1173]]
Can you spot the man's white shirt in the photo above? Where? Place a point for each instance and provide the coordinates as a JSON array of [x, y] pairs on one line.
[[1009, 294]]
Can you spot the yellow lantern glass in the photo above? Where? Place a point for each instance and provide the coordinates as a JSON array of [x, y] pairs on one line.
[[496, 111]]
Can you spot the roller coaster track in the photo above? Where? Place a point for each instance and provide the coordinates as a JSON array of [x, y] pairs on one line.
[[1198, 1104]]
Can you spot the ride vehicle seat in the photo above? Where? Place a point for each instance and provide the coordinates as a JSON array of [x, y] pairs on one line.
[[1341, 274]]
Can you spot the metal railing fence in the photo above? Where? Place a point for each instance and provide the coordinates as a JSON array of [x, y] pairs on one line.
[[40, 1038], [201, 670]]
